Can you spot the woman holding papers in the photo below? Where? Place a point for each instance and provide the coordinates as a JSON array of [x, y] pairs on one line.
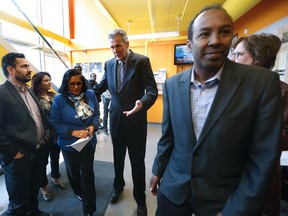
[[75, 115]]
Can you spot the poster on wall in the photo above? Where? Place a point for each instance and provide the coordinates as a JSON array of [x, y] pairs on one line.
[[281, 64], [85, 69], [91, 67], [96, 67], [160, 78]]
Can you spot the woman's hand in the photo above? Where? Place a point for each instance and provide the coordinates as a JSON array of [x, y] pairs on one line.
[[90, 130], [81, 133]]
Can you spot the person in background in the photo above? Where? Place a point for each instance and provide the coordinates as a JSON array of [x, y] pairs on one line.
[[79, 67], [219, 144], [74, 116], [22, 137], [93, 78], [261, 50], [130, 80], [106, 98], [92, 83], [41, 86]]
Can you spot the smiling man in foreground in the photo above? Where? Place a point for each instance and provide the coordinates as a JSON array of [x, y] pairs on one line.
[[221, 129]]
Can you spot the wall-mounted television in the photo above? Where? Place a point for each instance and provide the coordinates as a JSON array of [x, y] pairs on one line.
[[182, 55]]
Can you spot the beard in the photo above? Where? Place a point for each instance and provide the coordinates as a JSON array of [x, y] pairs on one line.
[[23, 78]]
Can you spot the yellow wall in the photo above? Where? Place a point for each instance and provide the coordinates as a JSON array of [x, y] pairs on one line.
[[261, 16], [3, 51]]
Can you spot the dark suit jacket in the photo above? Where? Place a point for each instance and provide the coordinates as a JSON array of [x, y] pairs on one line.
[[18, 130], [229, 168], [138, 84]]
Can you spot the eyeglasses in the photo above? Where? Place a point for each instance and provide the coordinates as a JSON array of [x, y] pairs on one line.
[[72, 84], [236, 55]]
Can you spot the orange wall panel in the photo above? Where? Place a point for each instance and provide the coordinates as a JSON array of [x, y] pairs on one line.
[[262, 15]]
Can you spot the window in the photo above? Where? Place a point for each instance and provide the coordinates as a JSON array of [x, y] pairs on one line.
[[39, 12]]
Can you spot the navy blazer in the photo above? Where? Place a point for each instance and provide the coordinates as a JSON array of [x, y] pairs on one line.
[[239, 143], [138, 84], [18, 132]]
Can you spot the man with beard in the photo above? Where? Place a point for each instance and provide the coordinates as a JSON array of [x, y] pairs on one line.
[[218, 149], [22, 136]]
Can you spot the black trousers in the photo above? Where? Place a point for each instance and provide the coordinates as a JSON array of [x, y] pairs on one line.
[[22, 183], [80, 174], [53, 151], [135, 142], [166, 208]]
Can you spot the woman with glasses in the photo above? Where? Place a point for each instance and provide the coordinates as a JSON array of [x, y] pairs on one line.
[[261, 50], [41, 86], [75, 115]]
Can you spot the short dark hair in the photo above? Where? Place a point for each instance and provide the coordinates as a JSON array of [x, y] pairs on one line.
[[209, 7], [91, 75], [66, 77], [78, 67], [10, 60], [37, 79]]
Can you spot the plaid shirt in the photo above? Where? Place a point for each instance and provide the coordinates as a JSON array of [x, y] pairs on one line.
[[201, 97]]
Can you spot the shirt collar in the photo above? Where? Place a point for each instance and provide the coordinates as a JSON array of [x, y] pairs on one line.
[[22, 88], [217, 76], [125, 59]]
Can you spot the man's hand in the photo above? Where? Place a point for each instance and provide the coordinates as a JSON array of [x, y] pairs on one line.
[[18, 155], [154, 182], [138, 106]]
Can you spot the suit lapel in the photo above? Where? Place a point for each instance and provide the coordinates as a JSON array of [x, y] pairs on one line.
[[130, 68], [114, 75], [17, 96], [184, 87], [228, 86]]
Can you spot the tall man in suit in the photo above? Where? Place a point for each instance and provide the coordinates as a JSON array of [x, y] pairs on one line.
[[22, 136], [221, 129], [130, 80]]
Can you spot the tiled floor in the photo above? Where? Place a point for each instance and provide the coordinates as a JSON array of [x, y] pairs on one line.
[[126, 206]]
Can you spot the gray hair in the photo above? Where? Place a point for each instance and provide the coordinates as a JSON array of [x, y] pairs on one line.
[[118, 31]]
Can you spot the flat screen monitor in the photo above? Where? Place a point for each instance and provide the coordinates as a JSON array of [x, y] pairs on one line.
[[182, 55]]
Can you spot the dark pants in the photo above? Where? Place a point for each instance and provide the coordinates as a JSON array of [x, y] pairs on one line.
[[271, 206], [53, 151], [105, 102], [166, 208], [135, 142], [81, 175], [22, 183]]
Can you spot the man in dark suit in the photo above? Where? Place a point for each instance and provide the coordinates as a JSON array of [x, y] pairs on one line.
[[133, 89], [221, 129], [22, 134]]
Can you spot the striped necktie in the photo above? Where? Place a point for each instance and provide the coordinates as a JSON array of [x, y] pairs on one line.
[[120, 73]]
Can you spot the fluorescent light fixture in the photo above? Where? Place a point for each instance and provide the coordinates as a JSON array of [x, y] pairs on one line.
[[153, 35]]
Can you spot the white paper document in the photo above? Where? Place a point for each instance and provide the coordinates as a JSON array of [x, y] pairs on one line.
[[284, 158], [80, 143]]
